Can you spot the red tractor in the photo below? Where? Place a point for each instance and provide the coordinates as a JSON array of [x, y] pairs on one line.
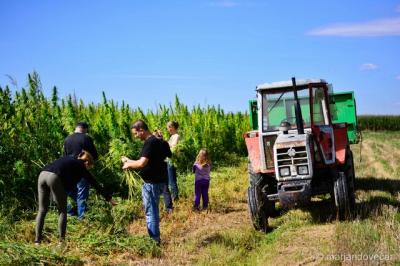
[[297, 152]]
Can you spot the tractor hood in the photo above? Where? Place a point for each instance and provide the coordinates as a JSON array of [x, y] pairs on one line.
[[290, 140]]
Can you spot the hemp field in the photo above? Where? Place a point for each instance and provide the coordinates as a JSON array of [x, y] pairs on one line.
[[224, 235]]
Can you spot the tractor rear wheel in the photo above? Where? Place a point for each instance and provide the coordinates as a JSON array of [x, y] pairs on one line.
[[344, 188], [351, 178], [341, 196]]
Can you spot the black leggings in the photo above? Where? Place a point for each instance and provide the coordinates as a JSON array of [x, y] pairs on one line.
[[50, 182]]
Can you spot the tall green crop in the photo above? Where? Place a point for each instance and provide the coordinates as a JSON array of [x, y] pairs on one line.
[[380, 122], [33, 129]]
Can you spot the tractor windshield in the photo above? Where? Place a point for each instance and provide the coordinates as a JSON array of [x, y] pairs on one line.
[[280, 106]]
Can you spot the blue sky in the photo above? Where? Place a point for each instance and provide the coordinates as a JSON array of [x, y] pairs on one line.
[[206, 52]]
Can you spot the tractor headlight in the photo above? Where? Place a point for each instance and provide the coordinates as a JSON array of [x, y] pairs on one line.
[[284, 171], [302, 170]]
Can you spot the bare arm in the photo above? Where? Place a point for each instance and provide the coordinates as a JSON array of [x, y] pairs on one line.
[[134, 164], [99, 188]]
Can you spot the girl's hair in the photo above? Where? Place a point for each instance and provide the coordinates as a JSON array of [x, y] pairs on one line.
[[173, 124], [203, 158], [87, 157]]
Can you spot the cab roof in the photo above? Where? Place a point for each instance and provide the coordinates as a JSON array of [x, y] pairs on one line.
[[288, 84]]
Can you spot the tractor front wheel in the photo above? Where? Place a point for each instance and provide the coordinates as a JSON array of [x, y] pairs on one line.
[[257, 213], [260, 207]]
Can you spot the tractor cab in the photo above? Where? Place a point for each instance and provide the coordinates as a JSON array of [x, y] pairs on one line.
[[290, 114]]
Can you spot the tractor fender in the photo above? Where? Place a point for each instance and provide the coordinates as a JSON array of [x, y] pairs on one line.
[[253, 148], [341, 142]]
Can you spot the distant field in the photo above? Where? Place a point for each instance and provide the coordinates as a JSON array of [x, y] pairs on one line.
[[224, 235], [379, 122]]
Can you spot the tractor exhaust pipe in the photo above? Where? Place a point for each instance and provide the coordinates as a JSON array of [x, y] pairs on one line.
[[299, 117]]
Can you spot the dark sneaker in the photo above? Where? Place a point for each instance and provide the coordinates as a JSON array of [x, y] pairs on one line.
[[72, 211]]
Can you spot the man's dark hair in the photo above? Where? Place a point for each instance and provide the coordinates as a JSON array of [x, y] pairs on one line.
[[83, 125], [139, 124]]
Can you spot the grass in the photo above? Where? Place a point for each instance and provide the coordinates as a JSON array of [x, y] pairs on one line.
[[25, 254], [377, 227], [224, 235], [94, 240]]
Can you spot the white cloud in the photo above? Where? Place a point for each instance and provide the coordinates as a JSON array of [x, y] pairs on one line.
[[382, 27], [225, 4], [368, 66]]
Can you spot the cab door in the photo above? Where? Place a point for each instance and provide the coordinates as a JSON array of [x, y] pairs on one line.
[[321, 125]]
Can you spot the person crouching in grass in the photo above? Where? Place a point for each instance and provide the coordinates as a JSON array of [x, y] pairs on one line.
[[58, 178]]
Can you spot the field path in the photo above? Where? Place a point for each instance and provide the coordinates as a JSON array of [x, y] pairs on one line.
[[185, 230], [186, 236], [183, 241]]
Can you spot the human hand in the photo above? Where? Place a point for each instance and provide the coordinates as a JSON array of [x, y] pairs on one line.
[[124, 159], [125, 166]]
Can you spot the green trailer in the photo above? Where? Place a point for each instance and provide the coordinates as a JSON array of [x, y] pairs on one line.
[[343, 110]]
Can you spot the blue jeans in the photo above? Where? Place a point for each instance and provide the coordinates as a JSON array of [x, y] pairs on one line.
[[151, 198], [172, 181], [167, 199], [80, 195]]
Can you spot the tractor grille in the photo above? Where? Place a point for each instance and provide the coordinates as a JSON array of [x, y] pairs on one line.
[[292, 156]]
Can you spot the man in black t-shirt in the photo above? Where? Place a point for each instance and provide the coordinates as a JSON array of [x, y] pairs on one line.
[[153, 170], [73, 146]]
